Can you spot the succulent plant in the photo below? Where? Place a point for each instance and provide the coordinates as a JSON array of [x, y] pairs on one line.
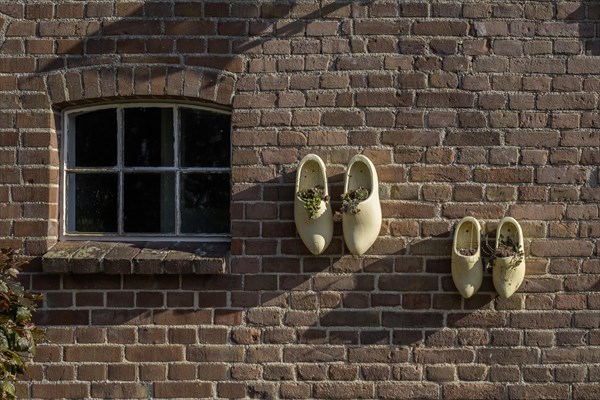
[[312, 200], [351, 199]]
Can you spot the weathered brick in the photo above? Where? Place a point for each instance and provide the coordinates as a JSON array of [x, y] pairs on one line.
[[412, 320], [313, 354], [407, 391], [586, 391], [215, 353], [444, 28], [540, 391], [581, 138], [566, 101], [503, 175], [182, 389], [340, 390], [60, 390], [537, 211], [473, 391], [446, 100], [93, 354], [439, 174], [557, 248], [428, 356], [565, 175]]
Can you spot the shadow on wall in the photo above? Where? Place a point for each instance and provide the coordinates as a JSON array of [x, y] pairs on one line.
[[429, 256], [133, 39], [586, 17], [401, 293]]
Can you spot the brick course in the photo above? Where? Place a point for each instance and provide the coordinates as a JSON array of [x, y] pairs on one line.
[[485, 109]]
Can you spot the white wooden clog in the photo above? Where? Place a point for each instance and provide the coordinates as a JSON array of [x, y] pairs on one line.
[[509, 272], [467, 269], [361, 229], [316, 233]]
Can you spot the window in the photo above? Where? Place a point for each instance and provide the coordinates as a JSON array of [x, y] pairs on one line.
[[149, 170]]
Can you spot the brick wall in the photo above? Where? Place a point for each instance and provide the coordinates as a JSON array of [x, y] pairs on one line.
[[483, 108]]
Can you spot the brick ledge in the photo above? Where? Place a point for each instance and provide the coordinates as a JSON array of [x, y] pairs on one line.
[[89, 257]]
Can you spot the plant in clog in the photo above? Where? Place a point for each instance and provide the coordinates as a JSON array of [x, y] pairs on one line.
[[467, 268], [312, 210], [508, 259], [361, 219], [351, 199], [312, 198]]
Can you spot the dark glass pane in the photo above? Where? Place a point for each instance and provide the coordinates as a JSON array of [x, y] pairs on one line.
[[148, 137], [149, 203], [92, 202], [94, 142], [205, 203], [205, 139]]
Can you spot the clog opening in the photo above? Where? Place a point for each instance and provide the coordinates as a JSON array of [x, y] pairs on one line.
[[467, 236], [359, 176], [310, 176], [509, 230]]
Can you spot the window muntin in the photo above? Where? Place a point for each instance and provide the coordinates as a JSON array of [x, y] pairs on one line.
[[146, 170]]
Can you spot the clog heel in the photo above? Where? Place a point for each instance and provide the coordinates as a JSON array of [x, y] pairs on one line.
[[467, 268], [314, 221]]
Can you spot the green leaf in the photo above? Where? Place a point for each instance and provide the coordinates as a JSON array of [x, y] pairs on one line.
[[3, 341], [23, 314], [17, 333], [8, 390]]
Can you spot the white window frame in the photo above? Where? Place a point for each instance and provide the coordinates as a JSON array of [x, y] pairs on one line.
[[69, 113]]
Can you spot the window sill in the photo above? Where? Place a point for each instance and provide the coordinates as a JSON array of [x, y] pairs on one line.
[[88, 257]]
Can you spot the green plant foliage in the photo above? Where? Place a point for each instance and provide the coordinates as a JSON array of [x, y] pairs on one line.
[[312, 200], [18, 334], [351, 199]]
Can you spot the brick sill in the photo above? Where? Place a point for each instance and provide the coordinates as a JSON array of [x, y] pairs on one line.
[[88, 257]]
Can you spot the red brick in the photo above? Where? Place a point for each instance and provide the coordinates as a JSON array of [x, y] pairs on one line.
[[411, 138], [473, 391], [564, 175], [439, 174], [566, 101], [537, 211], [182, 389], [445, 100], [359, 63], [215, 353], [581, 138], [182, 317], [344, 390], [96, 353], [119, 390], [60, 390], [564, 248], [534, 392], [342, 118]]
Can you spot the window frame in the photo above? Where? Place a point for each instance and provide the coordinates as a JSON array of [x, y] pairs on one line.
[[69, 113]]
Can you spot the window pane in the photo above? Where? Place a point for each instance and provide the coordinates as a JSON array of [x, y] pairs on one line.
[[149, 202], [205, 203], [94, 142], [205, 139], [148, 140], [92, 201]]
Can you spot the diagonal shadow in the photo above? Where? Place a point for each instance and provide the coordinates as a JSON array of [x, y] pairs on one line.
[[399, 294]]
